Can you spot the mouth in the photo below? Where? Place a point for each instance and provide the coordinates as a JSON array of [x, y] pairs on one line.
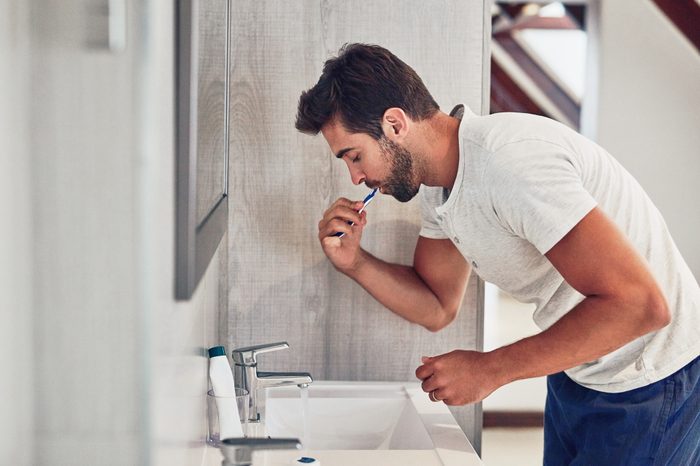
[[374, 186]]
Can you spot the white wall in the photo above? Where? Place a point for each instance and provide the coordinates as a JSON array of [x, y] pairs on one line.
[[100, 365], [16, 404], [507, 321], [648, 113]]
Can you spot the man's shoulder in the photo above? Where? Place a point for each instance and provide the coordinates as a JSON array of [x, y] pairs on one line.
[[507, 130]]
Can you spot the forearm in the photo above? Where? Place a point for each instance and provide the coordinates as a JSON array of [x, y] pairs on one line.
[[400, 289], [594, 328]]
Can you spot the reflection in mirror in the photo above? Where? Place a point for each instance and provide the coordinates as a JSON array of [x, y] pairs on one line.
[[203, 39], [211, 108]]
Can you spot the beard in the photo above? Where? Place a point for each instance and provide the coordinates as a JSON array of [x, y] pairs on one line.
[[402, 182]]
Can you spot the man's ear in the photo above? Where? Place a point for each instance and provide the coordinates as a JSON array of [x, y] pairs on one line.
[[395, 124]]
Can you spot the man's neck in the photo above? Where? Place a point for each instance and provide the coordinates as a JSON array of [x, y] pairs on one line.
[[439, 144]]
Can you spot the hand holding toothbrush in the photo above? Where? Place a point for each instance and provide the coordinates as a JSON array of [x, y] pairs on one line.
[[365, 202], [344, 219]]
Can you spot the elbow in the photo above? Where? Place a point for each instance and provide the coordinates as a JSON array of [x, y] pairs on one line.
[[442, 318], [655, 313], [658, 312]]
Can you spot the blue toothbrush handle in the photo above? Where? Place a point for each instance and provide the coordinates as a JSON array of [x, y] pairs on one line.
[[366, 201]]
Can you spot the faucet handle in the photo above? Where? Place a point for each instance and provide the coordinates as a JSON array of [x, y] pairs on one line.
[[246, 356], [239, 451]]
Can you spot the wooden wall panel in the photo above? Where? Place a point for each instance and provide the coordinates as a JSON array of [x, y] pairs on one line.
[[278, 186], [282, 287]]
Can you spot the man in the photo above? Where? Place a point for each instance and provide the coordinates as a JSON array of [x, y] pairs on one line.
[[546, 215]]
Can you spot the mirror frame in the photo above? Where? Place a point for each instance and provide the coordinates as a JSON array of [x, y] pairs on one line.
[[195, 243]]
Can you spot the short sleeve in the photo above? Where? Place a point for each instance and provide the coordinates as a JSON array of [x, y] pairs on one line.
[[537, 192], [430, 198]]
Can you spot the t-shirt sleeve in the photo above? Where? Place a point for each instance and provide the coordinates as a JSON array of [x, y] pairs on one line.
[[537, 192], [430, 198]]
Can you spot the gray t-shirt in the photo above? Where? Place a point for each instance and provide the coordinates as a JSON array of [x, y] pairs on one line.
[[523, 183]]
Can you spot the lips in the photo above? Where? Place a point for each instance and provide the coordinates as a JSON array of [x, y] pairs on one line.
[[373, 185]]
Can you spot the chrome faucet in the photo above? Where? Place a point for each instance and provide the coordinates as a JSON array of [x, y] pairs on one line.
[[246, 374]]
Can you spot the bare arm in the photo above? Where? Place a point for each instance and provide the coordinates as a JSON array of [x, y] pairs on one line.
[[428, 293], [623, 302]]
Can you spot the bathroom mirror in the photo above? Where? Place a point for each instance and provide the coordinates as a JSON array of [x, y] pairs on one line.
[[202, 64]]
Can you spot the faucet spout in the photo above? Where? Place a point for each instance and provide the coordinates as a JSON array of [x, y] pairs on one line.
[[279, 379]]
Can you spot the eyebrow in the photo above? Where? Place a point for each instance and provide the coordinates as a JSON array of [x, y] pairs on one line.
[[343, 152]]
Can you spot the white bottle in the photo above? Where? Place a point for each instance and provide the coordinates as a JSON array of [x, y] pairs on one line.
[[225, 393]]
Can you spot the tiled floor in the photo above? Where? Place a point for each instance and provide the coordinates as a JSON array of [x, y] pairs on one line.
[[512, 447]]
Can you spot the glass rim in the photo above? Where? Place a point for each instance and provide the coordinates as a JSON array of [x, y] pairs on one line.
[[238, 392]]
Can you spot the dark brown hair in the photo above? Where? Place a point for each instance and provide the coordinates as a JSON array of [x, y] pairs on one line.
[[359, 85]]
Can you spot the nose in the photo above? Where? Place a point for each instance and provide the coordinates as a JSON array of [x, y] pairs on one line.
[[357, 176]]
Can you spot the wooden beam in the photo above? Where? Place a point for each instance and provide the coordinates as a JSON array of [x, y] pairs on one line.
[[538, 22], [685, 15], [578, 13], [513, 9], [519, 419], [554, 92], [507, 96]]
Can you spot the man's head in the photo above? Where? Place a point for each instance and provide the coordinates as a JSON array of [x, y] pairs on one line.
[[364, 103], [358, 86]]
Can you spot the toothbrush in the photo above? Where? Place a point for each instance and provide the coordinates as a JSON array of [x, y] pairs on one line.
[[365, 203]]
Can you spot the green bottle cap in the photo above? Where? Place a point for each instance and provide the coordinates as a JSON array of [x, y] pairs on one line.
[[217, 351]]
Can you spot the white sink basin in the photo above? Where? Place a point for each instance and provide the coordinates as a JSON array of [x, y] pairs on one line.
[[361, 423], [367, 423], [348, 417]]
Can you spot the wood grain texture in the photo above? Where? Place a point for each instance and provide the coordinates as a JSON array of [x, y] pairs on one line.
[[281, 285], [211, 109]]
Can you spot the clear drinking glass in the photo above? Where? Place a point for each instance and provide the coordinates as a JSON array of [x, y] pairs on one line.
[[241, 400]]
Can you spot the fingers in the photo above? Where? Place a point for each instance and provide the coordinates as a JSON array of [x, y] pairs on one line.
[[331, 242], [346, 207], [336, 226], [342, 211], [424, 371], [434, 388], [450, 377], [436, 396], [432, 383], [332, 227]]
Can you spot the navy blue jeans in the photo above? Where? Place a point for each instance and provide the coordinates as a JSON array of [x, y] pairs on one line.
[[654, 425]]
